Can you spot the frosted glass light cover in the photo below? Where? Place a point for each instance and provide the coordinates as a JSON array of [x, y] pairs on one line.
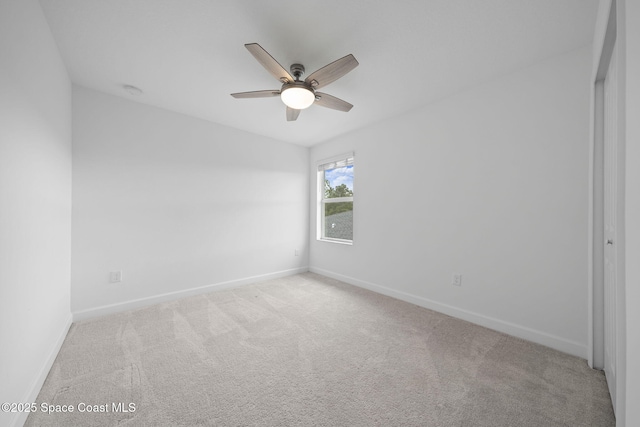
[[297, 98]]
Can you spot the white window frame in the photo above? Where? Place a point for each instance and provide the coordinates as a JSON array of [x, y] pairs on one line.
[[346, 159]]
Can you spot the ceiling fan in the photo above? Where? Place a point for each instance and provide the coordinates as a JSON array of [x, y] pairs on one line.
[[298, 94]]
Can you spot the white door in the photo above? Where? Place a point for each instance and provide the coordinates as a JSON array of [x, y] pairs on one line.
[[610, 216]]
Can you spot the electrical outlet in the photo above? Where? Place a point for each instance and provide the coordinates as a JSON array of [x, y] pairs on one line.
[[456, 279], [296, 252], [115, 276]]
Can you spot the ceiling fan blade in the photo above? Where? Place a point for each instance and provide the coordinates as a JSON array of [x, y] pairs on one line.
[[292, 114], [332, 72], [328, 101], [257, 94], [270, 64]]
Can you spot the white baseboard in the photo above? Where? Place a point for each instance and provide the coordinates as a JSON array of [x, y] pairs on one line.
[[21, 417], [170, 296], [548, 340]]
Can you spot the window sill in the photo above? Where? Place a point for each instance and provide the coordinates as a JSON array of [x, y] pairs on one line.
[[339, 242]]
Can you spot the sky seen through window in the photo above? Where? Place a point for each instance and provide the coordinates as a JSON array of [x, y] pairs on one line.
[[338, 176]]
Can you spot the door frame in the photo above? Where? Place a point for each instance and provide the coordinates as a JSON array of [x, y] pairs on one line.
[[595, 344]]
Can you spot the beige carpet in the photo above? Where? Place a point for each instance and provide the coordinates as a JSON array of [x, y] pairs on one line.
[[311, 351]]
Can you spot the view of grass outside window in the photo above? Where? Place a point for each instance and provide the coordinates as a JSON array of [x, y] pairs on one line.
[[336, 207]]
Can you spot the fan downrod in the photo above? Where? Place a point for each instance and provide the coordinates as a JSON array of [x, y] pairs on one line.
[[297, 70]]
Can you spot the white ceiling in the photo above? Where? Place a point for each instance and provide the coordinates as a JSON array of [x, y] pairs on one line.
[[188, 55]]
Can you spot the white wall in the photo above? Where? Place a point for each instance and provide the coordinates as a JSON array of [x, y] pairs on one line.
[[177, 203], [35, 202], [491, 183]]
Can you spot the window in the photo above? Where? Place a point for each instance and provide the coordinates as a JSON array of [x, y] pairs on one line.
[[335, 196]]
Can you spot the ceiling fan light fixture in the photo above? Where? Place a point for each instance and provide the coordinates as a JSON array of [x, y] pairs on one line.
[[297, 97], [299, 94]]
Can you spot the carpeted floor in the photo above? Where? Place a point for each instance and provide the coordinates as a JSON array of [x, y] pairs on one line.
[[306, 350]]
